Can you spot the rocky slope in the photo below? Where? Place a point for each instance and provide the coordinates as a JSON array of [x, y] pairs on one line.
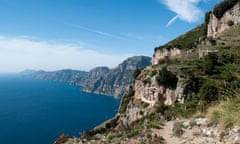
[[166, 98], [115, 81]]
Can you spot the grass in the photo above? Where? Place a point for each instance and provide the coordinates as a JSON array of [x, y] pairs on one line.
[[188, 40], [226, 113]]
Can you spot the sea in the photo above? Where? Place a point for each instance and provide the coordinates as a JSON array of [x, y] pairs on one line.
[[38, 111]]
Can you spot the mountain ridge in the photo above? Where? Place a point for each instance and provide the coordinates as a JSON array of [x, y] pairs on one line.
[[99, 80]]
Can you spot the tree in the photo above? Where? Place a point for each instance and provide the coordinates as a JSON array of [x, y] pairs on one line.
[[209, 63], [167, 78], [136, 73], [209, 92]]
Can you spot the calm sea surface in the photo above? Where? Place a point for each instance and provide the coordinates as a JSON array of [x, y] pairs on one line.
[[37, 111]]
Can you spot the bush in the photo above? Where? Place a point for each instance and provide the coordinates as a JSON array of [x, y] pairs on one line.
[[126, 99], [153, 73], [133, 133], [160, 107], [227, 58], [167, 78], [230, 23], [209, 92], [209, 63], [207, 17], [226, 113], [212, 41], [136, 73]]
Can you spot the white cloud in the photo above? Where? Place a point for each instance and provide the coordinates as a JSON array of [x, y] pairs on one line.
[[185, 10], [19, 53], [172, 20]]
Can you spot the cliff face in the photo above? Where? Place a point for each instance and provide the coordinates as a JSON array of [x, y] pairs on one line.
[[152, 92], [115, 81], [161, 54], [92, 76], [218, 25]]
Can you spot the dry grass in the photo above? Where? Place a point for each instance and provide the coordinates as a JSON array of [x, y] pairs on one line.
[[226, 113]]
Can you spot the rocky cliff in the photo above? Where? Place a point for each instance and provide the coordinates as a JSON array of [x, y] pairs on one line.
[[161, 54], [114, 82], [218, 23], [92, 76]]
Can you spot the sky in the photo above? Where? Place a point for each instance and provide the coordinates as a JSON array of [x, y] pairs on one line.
[[82, 34]]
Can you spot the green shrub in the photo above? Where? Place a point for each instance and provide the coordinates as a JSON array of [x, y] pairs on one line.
[[160, 107], [209, 63], [227, 58], [212, 41], [145, 105], [209, 92], [136, 73], [207, 17], [167, 78], [230, 23], [133, 132], [126, 99], [153, 73]]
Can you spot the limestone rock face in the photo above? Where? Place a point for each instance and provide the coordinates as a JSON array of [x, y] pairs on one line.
[[161, 54], [153, 92], [217, 26], [114, 82]]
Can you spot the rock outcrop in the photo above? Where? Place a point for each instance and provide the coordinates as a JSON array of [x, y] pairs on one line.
[[161, 54], [152, 92], [218, 25]]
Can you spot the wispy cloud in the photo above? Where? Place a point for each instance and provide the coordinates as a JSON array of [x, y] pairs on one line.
[[98, 32], [186, 10], [18, 53], [172, 21]]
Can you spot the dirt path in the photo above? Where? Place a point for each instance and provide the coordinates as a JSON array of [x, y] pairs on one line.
[[190, 135]]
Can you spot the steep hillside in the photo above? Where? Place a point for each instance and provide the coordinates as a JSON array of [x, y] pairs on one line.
[[189, 95], [92, 76], [115, 81]]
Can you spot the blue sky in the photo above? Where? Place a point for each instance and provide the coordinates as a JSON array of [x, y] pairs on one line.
[[82, 34]]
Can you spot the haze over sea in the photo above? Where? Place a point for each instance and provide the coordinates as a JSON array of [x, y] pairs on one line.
[[37, 111]]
